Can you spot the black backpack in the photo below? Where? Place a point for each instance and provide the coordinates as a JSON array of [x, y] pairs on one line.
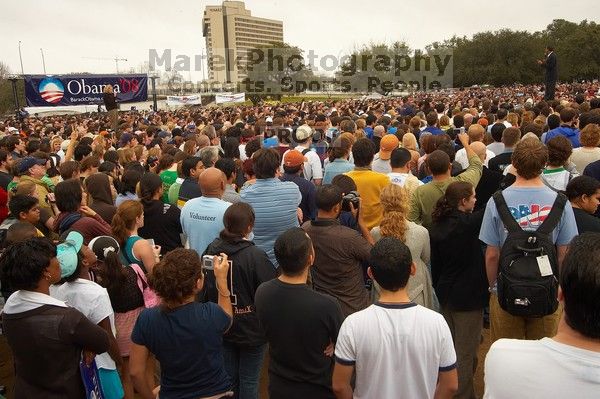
[[522, 289]]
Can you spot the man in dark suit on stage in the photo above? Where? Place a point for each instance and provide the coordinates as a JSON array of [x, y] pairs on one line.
[[551, 75]]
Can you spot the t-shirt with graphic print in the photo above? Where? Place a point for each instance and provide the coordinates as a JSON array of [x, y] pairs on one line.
[[529, 206]]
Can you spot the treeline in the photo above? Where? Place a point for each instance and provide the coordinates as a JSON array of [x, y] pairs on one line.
[[506, 56]]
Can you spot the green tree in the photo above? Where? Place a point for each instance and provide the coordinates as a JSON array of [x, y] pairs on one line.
[[275, 70]]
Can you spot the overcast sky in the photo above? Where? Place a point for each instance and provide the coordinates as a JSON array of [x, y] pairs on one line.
[[69, 30]]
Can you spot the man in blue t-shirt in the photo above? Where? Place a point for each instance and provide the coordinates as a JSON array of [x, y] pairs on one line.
[[202, 217], [530, 202]]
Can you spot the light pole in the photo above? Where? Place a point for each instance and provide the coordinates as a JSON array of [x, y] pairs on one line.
[[21, 58], [43, 61]]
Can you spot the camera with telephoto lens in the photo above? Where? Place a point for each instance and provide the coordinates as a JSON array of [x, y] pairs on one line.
[[352, 197]]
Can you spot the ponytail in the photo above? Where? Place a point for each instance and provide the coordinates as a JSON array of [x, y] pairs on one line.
[[113, 274], [450, 201]]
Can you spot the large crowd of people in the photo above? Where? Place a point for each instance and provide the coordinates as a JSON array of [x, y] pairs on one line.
[[360, 245]]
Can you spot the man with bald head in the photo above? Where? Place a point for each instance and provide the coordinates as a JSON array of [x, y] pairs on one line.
[[202, 217], [476, 133], [490, 180]]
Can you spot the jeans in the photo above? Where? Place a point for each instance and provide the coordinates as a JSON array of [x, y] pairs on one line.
[[243, 364]]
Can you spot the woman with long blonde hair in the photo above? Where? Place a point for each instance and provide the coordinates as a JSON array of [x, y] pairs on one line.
[[394, 200]]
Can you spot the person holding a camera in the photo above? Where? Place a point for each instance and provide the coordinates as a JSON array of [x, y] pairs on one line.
[[339, 250]]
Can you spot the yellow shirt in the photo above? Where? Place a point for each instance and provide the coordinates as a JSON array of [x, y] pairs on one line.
[[369, 185]]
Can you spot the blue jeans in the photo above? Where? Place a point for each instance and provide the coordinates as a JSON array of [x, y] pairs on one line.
[[243, 364]]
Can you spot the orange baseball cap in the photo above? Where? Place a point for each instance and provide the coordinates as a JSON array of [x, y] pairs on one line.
[[388, 143], [293, 158]]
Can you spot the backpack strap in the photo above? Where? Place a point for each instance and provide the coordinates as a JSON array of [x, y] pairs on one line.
[[507, 218], [305, 151], [554, 216]]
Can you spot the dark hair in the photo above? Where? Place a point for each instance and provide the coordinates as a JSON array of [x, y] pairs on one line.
[[32, 146], [111, 156], [174, 277], [341, 146], [129, 181], [502, 113], [21, 203], [363, 152], [292, 250], [458, 121], [19, 231], [81, 151], [150, 183], [567, 114], [438, 162], [3, 155], [68, 169], [107, 167], [236, 220], [90, 162], [114, 274], [449, 202], [431, 118], [252, 146], [553, 121], [68, 195], [227, 166], [165, 163], [328, 196], [580, 284], [344, 182], [12, 142], [581, 185], [265, 162], [400, 157], [188, 164], [559, 150], [391, 263], [497, 130], [23, 263], [231, 148]]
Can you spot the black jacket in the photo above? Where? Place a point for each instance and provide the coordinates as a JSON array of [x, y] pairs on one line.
[[487, 186], [457, 261], [551, 67], [250, 267], [161, 222]]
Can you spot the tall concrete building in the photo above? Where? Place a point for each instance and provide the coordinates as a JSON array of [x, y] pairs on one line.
[[230, 31]]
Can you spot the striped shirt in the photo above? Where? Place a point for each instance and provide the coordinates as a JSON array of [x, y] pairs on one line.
[[275, 204]]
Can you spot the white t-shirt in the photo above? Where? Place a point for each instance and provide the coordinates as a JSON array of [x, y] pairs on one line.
[[397, 349], [401, 178], [461, 157], [541, 369], [312, 168], [92, 300]]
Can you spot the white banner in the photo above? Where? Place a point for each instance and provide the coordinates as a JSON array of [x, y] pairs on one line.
[[230, 98], [184, 100]]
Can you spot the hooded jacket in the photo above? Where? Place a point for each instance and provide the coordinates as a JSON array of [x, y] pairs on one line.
[[249, 268], [98, 187], [570, 132]]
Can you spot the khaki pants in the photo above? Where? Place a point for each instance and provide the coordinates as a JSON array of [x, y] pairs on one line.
[[466, 328], [113, 117], [505, 325]]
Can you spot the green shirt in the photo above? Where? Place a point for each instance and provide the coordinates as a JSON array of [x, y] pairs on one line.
[[425, 197], [174, 191], [168, 177]]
